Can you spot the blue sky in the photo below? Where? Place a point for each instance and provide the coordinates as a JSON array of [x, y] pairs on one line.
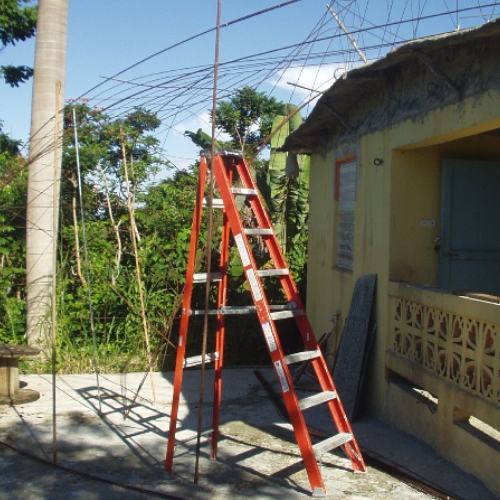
[[107, 36]]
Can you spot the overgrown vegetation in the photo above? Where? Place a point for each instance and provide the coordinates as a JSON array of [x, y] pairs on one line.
[[17, 24], [118, 161]]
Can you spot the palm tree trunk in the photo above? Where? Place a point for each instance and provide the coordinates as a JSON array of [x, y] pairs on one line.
[[44, 167]]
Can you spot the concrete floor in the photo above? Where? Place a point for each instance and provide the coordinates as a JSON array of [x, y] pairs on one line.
[[257, 459]]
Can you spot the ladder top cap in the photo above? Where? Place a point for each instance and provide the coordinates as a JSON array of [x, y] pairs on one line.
[[223, 152]]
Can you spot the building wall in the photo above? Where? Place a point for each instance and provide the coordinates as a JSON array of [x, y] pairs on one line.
[[394, 197], [320, 282], [330, 288]]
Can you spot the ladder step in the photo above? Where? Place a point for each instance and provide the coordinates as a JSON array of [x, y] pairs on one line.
[[239, 310], [244, 191], [216, 203], [226, 310], [282, 307], [230, 153], [202, 277], [317, 399], [256, 232], [331, 443], [273, 272], [287, 314], [196, 360], [299, 357]]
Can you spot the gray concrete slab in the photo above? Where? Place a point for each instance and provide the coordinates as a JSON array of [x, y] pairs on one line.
[[257, 458]]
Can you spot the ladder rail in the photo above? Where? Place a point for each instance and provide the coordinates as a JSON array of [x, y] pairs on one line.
[[220, 333], [326, 382], [264, 220], [288, 284], [241, 240], [186, 305], [268, 326]]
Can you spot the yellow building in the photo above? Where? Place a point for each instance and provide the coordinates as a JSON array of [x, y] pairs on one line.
[[405, 183]]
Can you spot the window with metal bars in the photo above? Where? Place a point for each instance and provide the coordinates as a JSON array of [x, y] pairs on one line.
[[345, 196]]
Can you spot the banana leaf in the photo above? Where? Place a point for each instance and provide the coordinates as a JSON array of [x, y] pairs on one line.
[[288, 180]]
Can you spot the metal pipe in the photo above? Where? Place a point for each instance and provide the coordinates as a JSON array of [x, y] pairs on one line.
[[209, 247], [351, 38]]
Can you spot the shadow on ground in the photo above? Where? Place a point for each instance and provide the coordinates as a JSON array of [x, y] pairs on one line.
[[257, 454]]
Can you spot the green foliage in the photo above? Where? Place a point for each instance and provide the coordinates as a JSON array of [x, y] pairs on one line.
[[17, 23], [200, 138], [161, 218], [288, 180], [113, 277], [12, 215], [101, 159], [247, 117], [14, 75]]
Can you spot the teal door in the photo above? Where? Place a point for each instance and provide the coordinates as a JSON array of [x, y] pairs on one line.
[[470, 227]]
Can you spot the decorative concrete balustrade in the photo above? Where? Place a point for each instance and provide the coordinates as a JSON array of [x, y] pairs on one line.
[[443, 374], [464, 349]]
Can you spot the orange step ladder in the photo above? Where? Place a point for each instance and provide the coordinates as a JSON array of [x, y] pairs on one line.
[[226, 167]]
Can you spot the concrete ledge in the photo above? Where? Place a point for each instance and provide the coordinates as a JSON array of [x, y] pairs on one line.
[[438, 412], [444, 389]]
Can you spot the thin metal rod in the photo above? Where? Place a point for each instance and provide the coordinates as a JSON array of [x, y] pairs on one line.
[[155, 354], [351, 38], [86, 257], [209, 246], [55, 219], [191, 38], [305, 88], [144, 377]]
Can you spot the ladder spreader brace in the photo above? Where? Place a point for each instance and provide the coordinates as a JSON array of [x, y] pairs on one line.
[[226, 166]]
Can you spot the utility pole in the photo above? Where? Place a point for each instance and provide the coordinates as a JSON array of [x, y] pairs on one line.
[[45, 169]]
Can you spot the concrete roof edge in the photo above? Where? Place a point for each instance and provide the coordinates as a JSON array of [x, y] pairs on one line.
[[308, 137]]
